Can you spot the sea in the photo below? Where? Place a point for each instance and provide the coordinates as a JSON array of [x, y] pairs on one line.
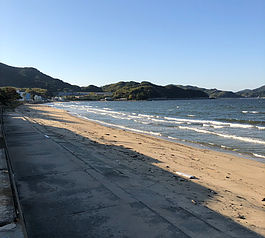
[[231, 125]]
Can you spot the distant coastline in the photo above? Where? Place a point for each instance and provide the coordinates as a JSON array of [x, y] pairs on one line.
[[40, 84]]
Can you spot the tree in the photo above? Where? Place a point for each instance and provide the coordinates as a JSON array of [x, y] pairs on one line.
[[8, 95]]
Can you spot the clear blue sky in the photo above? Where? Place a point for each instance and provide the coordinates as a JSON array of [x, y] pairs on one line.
[[208, 43]]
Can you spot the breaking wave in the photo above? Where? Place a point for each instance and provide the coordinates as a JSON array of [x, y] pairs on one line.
[[245, 139]]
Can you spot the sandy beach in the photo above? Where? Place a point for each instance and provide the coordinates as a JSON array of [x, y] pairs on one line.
[[227, 184]]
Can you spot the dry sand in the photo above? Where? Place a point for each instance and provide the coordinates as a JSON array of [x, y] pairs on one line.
[[232, 186]]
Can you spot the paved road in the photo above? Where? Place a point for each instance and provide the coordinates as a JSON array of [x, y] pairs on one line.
[[65, 192]]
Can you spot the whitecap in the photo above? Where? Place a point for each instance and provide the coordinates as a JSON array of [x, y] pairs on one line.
[[119, 126], [245, 139], [260, 156], [240, 125], [218, 127]]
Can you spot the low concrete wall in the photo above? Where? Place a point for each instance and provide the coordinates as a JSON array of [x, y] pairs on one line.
[[7, 211], [9, 226]]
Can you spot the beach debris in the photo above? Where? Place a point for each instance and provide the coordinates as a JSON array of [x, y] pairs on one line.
[[194, 202], [150, 170], [196, 159], [188, 176], [263, 200], [240, 197], [227, 177], [241, 217], [211, 191]]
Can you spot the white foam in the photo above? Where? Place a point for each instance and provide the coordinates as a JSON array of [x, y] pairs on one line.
[[144, 115], [240, 125], [218, 127], [120, 126], [159, 120], [205, 123], [245, 139], [251, 112], [260, 156], [143, 122], [197, 121], [225, 147]]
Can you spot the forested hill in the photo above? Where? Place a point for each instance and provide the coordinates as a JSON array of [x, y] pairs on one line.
[[214, 93], [146, 90], [31, 78], [258, 92]]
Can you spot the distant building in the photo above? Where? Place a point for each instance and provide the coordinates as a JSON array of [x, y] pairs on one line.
[[61, 94], [60, 99], [25, 97], [103, 93], [107, 99], [37, 98]]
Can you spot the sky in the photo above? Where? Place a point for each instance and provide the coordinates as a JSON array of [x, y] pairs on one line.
[[207, 43]]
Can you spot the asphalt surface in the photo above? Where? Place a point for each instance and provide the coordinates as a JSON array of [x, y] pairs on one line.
[[65, 192]]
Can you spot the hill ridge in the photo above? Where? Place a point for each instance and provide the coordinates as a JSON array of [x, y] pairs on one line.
[[30, 77]]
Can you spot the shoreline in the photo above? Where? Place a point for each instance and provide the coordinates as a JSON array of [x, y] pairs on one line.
[[237, 184], [214, 147]]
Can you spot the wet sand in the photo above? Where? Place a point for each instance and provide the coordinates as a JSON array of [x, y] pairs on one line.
[[229, 185]]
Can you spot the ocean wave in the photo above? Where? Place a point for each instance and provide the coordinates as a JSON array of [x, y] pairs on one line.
[[226, 147], [242, 121], [240, 125], [218, 127], [245, 139], [143, 122], [119, 126], [205, 123], [144, 115], [251, 112], [259, 156]]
